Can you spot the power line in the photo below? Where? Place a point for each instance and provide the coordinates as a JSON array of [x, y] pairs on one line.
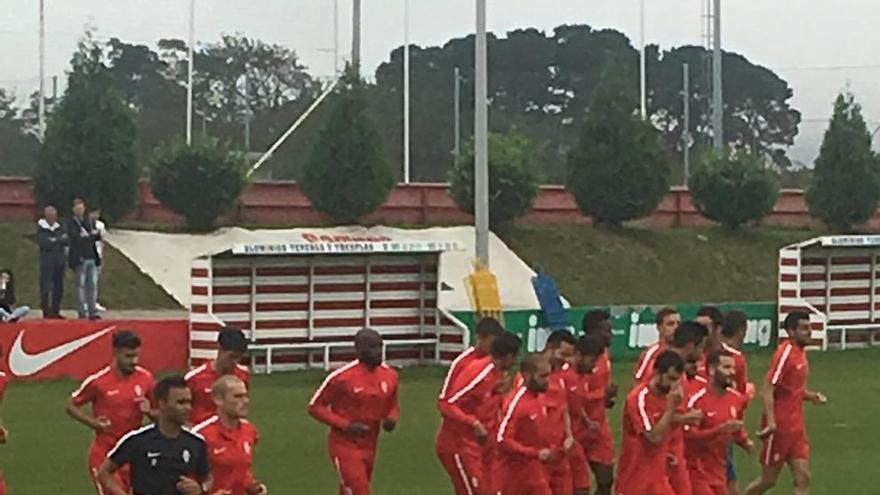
[[831, 67]]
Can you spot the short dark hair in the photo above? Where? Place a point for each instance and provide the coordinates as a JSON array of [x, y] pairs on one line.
[[79, 200], [166, 384], [791, 321], [714, 358], [664, 312], [489, 327], [669, 360], [232, 339], [530, 362], [713, 313], [506, 344], [126, 339], [592, 319], [689, 332], [559, 337], [590, 345], [734, 321]]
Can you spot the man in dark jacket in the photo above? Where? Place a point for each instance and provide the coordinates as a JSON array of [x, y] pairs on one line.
[[8, 311], [53, 241], [84, 260]]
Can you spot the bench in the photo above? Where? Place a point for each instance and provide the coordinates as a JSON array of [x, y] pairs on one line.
[[270, 349]]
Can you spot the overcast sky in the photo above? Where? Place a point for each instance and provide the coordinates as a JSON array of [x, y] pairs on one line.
[[819, 46]]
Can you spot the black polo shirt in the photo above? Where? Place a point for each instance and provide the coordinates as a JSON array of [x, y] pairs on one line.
[[157, 462]]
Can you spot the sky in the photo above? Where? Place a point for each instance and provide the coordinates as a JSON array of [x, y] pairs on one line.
[[819, 46]]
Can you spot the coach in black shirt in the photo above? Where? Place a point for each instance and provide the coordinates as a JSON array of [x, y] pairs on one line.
[[165, 458]]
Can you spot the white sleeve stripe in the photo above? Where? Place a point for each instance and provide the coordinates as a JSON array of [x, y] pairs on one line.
[[89, 380], [329, 379], [694, 398], [509, 413], [195, 371], [204, 424], [642, 369], [470, 386], [127, 436], [643, 412], [781, 364], [193, 433], [731, 349], [452, 368]]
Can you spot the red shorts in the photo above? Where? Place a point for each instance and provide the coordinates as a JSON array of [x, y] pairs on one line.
[[701, 488], [2, 484], [558, 474], [599, 445], [679, 476], [97, 456], [524, 478], [466, 468], [354, 467], [783, 446], [580, 470]]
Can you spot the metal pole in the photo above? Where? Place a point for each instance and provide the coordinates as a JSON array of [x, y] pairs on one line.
[[356, 37], [717, 89], [335, 38], [481, 138], [41, 105], [247, 115], [54, 89], [642, 64], [189, 75], [406, 94], [456, 151], [686, 135]]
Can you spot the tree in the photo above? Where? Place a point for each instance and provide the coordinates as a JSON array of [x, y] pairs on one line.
[[19, 147], [734, 189], [846, 180], [200, 182], [619, 170], [347, 175], [513, 182], [88, 150]]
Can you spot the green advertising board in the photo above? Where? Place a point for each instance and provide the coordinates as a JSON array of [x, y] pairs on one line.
[[633, 327]]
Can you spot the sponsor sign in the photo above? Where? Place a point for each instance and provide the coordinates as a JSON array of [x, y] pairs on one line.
[[57, 348], [367, 246], [850, 240]]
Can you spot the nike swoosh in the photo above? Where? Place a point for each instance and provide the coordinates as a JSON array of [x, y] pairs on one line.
[[22, 363]]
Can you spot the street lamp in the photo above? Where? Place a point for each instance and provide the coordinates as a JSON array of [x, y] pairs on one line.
[[481, 138]]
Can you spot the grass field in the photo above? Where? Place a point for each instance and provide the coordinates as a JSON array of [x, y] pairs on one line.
[[46, 452]]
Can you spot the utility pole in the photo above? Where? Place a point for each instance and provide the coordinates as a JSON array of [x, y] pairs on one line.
[[481, 141], [189, 74], [643, 89], [247, 115], [456, 151], [41, 106], [406, 94], [717, 84], [54, 90], [686, 135], [335, 38], [356, 37]]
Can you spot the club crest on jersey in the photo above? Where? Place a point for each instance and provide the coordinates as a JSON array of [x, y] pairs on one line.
[[186, 456], [384, 387], [138, 390], [247, 448], [732, 411]]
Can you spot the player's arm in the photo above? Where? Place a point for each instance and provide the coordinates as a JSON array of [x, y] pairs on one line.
[[107, 477], [815, 397], [450, 407], [321, 405], [390, 422], [506, 436], [656, 432], [767, 397], [76, 411]]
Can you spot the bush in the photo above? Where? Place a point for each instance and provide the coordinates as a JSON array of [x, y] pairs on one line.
[[846, 181], [619, 170], [88, 149], [347, 176], [734, 189], [200, 182], [513, 183]]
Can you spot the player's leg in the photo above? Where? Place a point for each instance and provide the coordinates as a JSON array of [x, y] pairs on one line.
[[558, 476], [580, 470], [679, 477], [767, 480], [599, 449], [732, 485], [351, 470], [800, 473], [465, 469], [97, 455]]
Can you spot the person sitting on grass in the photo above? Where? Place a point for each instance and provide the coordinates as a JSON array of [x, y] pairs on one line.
[[8, 311]]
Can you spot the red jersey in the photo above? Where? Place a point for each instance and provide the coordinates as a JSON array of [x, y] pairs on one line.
[[556, 404], [356, 393], [642, 467], [458, 365], [473, 396], [200, 380], [597, 385], [117, 398], [645, 365], [522, 433], [231, 453], [707, 447], [741, 379], [577, 387], [788, 373]]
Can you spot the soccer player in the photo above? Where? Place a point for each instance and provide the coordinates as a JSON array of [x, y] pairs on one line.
[[231, 440], [568, 472], [597, 441], [733, 333], [470, 416], [3, 433], [712, 318], [356, 401], [589, 350], [232, 346], [487, 330], [647, 419], [165, 458], [526, 439], [785, 389], [667, 321], [120, 395], [721, 424]]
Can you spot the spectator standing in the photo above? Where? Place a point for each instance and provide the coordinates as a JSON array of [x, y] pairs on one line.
[[95, 217], [84, 260], [8, 311], [53, 241]]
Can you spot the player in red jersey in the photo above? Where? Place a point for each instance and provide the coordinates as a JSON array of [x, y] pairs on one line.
[[356, 401], [470, 415], [712, 318], [785, 390], [589, 350], [721, 424], [733, 333], [231, 440], [647, 419], [121, 395], [232, 346], [3, 433], [567, 473], [667, 321], [487, 330], [525, 437]]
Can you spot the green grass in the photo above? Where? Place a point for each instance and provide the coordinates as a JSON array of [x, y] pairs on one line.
[[122, 286], [46, 454]]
